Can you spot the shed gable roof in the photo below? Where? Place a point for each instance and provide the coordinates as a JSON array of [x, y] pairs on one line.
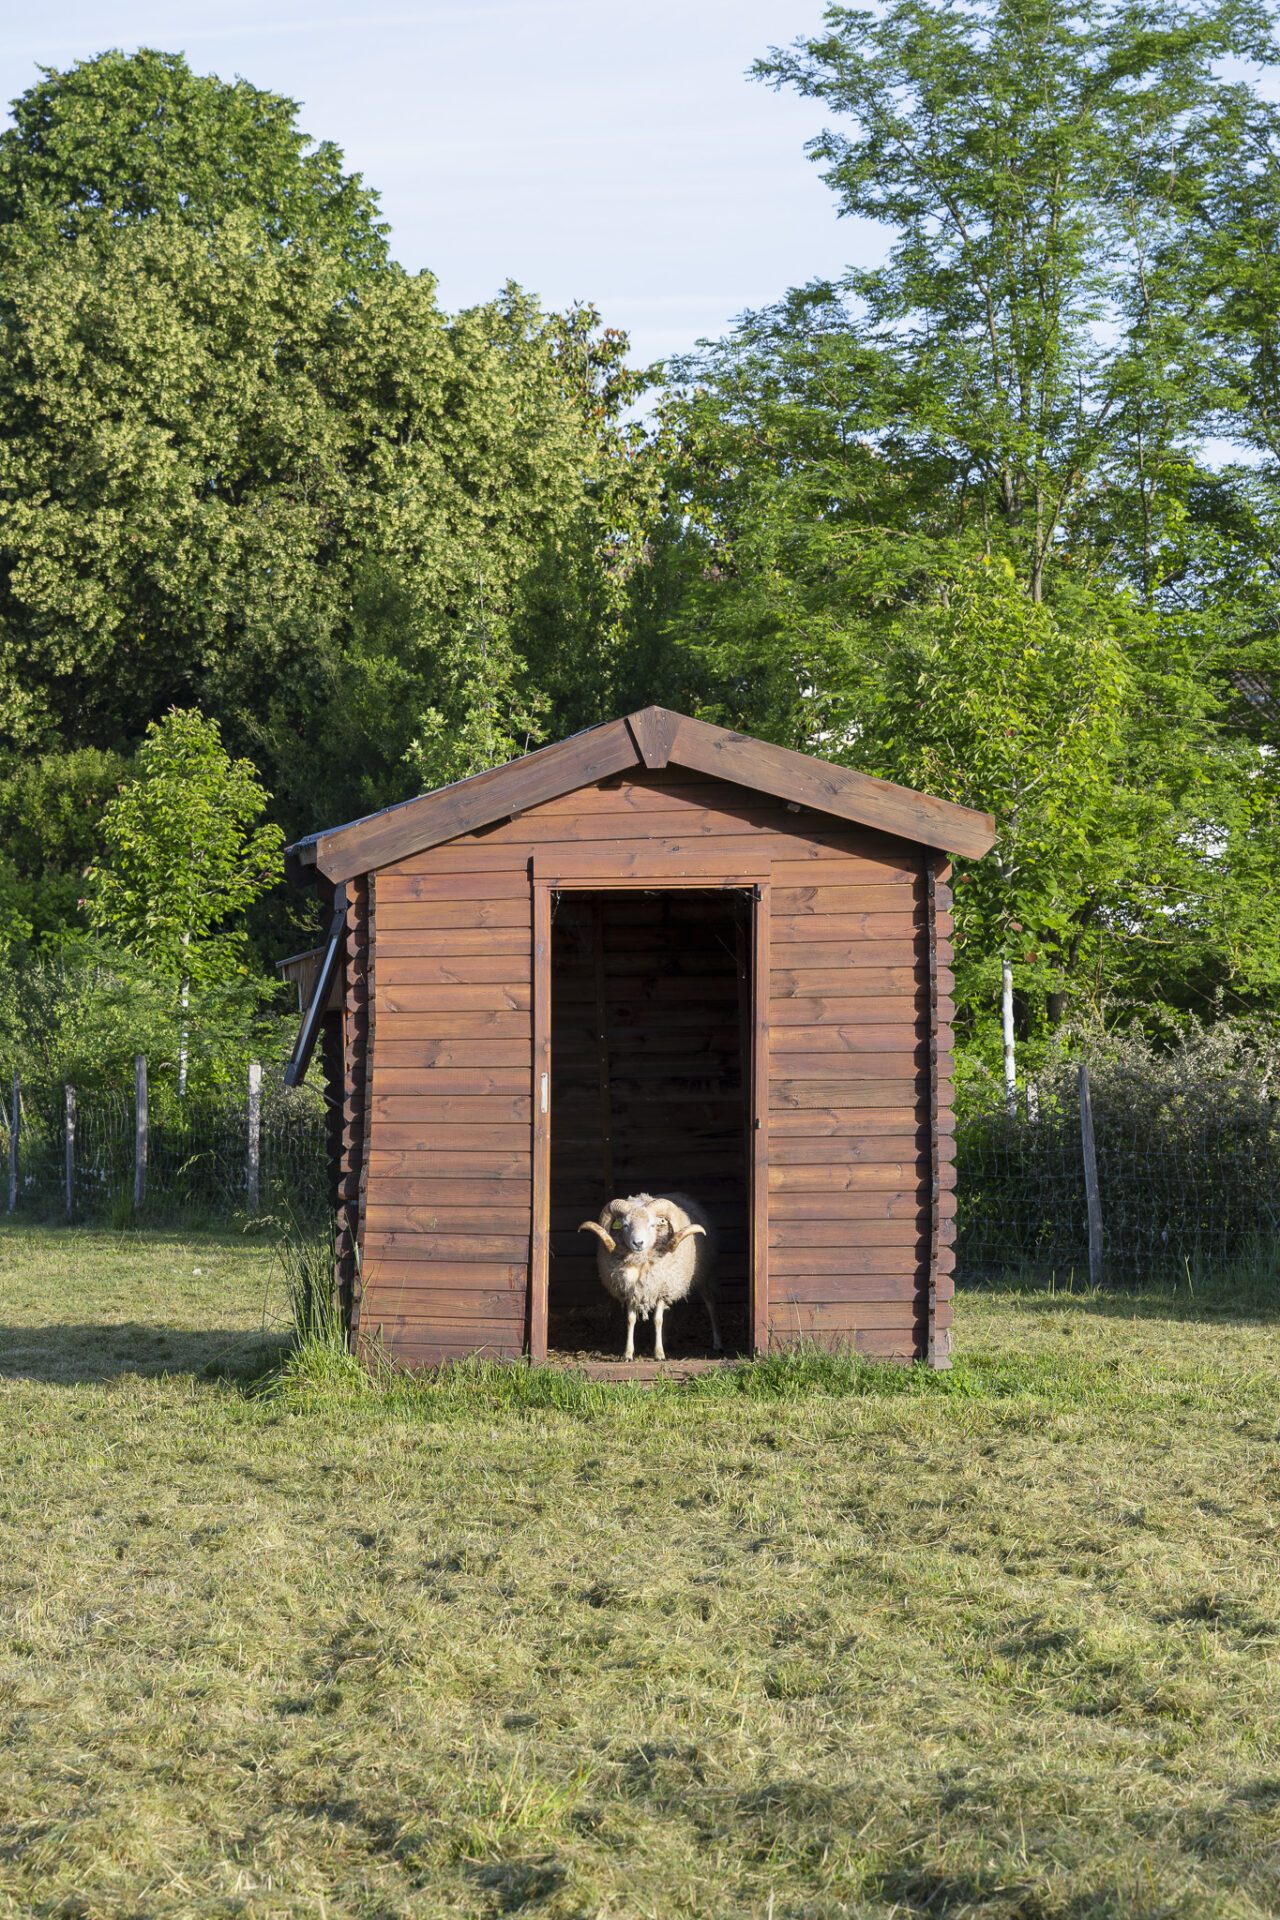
[[654, 737]]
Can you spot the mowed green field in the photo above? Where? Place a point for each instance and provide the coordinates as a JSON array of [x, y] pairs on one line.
[[1005, 1642]]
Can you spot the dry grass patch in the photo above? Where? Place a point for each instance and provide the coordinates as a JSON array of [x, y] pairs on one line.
[[815, 1642]]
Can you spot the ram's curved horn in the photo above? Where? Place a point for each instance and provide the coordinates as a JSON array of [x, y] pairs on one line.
[[686, 1232], [593, 1226]]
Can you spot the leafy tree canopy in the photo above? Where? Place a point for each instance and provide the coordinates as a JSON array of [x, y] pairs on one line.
[[1034, 166], [182, 857], [950, 519], [128, 137], [183, 861], [246, 462]]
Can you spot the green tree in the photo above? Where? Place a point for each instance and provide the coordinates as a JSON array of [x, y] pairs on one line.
[[246, 461], [1034, 320], [50, 807], [826, 600], [991, 702], [947, 519], [182, 862], [129, 137]]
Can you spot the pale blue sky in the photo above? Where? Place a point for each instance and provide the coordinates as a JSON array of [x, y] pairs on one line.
[[590, 149]]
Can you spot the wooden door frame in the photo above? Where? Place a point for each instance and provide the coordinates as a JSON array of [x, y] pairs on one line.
[[551, 873]]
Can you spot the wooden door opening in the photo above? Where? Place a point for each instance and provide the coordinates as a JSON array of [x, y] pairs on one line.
[[649, 1005]]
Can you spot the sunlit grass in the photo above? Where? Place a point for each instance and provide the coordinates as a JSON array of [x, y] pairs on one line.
[[813, 1638]]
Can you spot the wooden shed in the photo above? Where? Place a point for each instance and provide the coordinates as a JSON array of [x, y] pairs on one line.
[[655, 955]]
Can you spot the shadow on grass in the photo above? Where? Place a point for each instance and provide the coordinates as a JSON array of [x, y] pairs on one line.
[[77, 1355]]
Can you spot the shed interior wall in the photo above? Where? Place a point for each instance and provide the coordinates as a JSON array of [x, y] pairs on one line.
[[650, 1051]]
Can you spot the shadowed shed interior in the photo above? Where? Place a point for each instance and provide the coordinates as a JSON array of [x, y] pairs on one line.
[[650, 1051]]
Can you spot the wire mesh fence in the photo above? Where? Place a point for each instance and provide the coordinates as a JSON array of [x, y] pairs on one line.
[[1187, 1158], [205, 1156]]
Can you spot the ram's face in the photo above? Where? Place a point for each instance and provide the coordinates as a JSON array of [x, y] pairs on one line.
[[637, 1230]]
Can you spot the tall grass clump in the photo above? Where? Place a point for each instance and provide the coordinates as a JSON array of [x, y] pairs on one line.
[[319, 1355]]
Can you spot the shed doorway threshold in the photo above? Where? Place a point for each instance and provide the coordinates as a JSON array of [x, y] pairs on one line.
[[644, 1373]]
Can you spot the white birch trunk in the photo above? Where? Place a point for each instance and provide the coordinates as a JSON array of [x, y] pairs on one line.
[[184, 1008], [1006, 1021]]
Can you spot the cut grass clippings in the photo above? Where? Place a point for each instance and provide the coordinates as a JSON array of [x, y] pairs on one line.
[[811, 1638]]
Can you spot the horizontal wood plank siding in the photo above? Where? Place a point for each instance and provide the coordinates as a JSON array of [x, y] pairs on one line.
[[850, 1121], [859, 1086], [447, 1223]]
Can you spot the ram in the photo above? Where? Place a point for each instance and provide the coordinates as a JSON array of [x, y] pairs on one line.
[[653, 1253]]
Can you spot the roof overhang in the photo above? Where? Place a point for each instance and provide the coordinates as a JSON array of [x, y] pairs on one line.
[[655, 737]]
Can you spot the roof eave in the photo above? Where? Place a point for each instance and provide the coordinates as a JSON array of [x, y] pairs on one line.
[[654, 737]]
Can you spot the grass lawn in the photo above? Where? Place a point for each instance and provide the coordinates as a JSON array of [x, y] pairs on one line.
[[1004, 1642]]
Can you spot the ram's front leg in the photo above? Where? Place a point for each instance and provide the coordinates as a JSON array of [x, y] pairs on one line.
[[630, 1353], [658, 1312]]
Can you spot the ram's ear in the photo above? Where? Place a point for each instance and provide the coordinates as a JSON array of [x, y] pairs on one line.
[[665, 1213]]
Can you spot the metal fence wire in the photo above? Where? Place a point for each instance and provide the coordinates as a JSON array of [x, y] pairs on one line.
[[197, 1152], [1187, 1154], [1188, 1164]]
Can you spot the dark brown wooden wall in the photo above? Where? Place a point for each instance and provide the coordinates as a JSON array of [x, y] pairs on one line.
[[859, 1066]]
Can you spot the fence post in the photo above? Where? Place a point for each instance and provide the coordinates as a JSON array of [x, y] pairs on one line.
[[15, 1123], [140, 1130], [1093, 1198], [70, 1097], [253, 1172]]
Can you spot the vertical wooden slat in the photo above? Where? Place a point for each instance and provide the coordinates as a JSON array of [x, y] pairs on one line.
[[355, 1091], [539, 1249], [253, 1156], [1093, 1196], [331, 1044], [938, 1333], [370, 1025], [760, 1120]]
